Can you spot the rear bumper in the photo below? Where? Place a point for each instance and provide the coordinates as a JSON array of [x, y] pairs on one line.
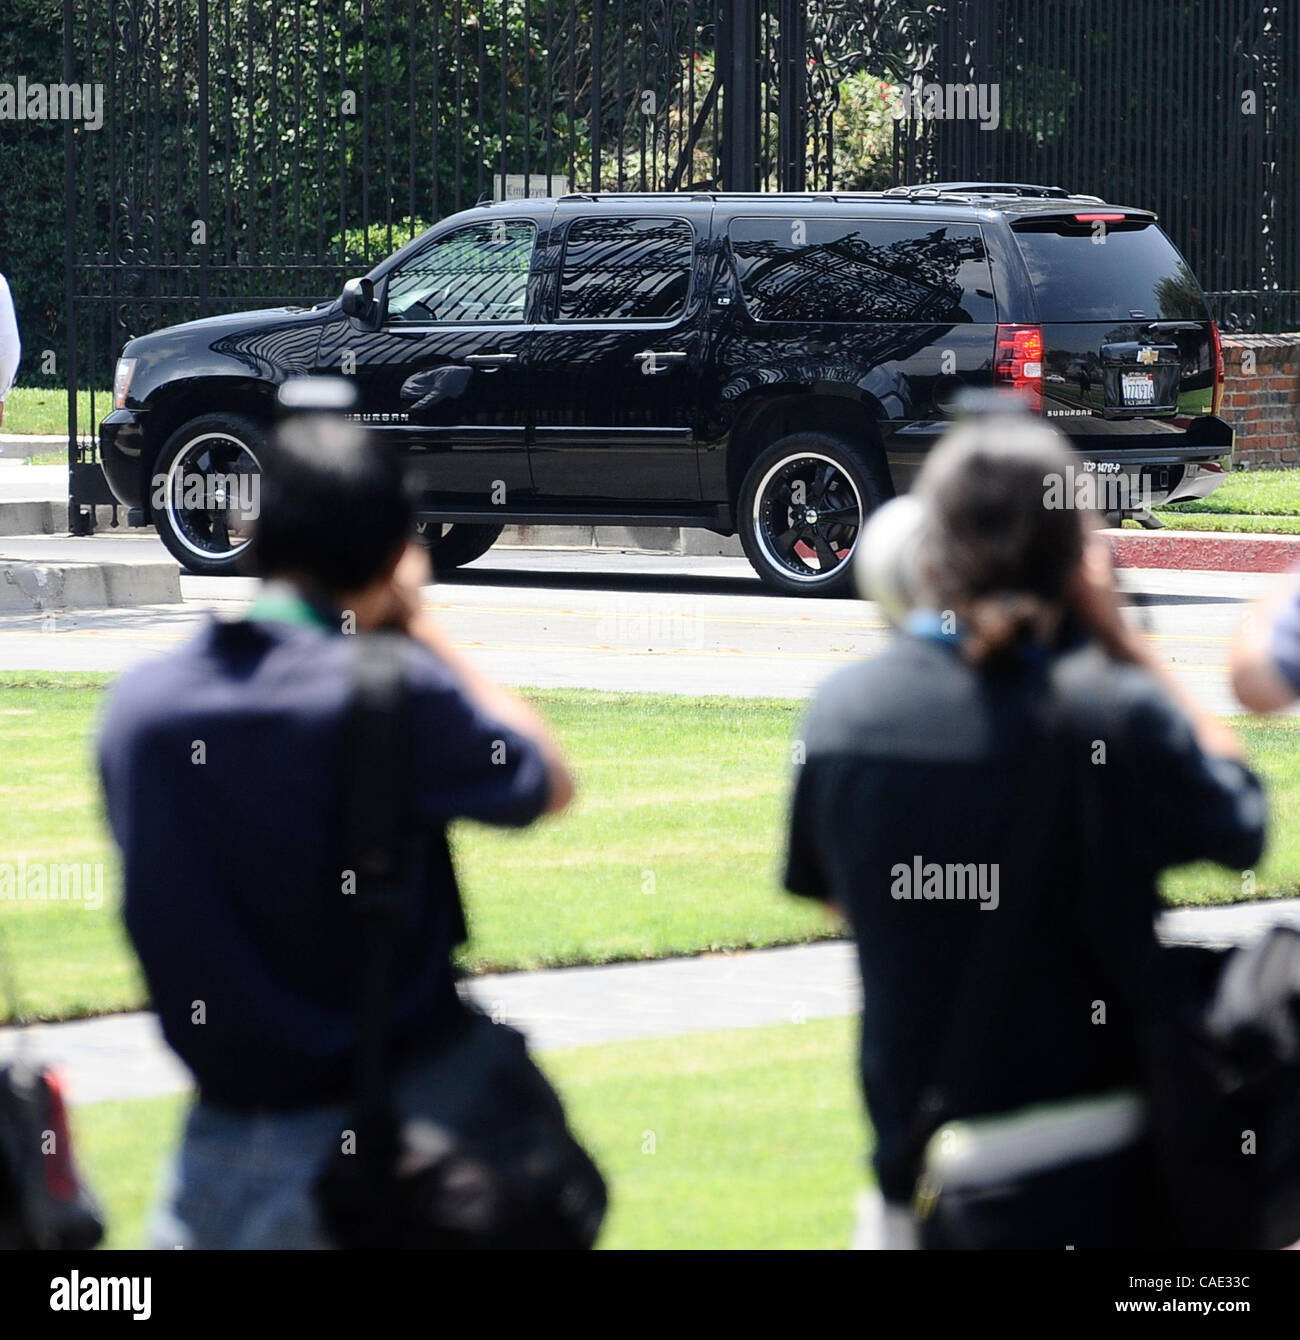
[[1160, 463], [1160, 459], [121, 439]]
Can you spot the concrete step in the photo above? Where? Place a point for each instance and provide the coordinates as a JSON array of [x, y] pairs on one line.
[[21, 446], [33, 516], [31, 586]]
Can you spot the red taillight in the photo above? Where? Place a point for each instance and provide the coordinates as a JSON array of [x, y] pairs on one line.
[[1018, 360], [1099, 218], [1217, 341]]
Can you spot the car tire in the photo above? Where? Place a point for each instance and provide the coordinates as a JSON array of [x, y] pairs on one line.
[[452, 546], [795, 542], [209, 539]]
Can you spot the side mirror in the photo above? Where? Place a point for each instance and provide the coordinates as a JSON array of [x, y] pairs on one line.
[[358, 300]]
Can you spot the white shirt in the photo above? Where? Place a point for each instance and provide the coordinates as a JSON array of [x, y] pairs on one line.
[[11, 347]]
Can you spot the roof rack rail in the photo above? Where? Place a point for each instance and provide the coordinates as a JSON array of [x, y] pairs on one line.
[[1024, 190], [693, 193]]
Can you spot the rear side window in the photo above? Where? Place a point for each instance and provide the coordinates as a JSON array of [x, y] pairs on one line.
[[857, 270], [1132, 272], [626, 269]]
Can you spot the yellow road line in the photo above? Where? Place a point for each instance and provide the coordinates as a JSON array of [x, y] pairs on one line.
[[650, 612]]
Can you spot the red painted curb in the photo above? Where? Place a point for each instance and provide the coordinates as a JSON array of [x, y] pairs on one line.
[[1203, 550]]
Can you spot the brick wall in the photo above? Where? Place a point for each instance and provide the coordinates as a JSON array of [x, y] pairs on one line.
[[1263, 404]]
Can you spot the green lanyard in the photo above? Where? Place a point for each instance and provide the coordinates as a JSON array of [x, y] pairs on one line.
[[288, 607]]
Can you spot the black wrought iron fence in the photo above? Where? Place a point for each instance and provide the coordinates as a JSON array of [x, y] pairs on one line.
[[257, 152], [1187, 108]]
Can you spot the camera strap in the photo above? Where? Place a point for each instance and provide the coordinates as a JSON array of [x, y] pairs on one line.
[[376, 834]]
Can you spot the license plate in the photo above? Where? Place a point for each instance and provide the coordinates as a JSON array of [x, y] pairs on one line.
[[1139, 388]]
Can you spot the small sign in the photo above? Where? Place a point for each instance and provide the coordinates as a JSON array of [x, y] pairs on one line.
[[536, 185]]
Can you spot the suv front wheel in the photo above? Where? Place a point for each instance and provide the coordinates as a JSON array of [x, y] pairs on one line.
[[801, 508], [204, 492]]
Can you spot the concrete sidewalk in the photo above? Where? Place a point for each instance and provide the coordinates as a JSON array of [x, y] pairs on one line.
[[123, 1056]]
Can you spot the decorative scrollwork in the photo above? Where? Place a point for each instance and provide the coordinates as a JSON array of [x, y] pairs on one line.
[[897, 40]]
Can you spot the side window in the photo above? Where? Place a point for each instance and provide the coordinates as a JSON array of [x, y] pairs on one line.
[[857, 270], [626, 269], [476, 274]]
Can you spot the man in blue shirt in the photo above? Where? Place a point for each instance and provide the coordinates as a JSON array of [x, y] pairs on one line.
[[221, 766]]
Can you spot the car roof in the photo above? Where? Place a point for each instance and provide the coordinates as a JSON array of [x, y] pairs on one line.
[[1018, 199]]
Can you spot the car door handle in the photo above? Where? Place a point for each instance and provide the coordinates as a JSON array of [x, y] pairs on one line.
[[654, 360], [489, 360]]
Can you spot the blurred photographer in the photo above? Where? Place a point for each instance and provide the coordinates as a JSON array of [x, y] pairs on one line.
[[990, 803], [223, 770]]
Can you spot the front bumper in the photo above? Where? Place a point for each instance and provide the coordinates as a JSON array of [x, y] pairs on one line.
[[121, 440]]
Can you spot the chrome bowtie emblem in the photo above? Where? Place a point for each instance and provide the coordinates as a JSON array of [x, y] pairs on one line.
[[1147, 355]]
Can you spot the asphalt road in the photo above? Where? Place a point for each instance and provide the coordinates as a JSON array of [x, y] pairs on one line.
[[618, 621]]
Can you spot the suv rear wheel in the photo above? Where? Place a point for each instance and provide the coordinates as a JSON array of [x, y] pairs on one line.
[[452, 546], [204, 492], [801, 508]]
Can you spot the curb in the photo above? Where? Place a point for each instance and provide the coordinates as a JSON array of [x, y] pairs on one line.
[[20, 446], [1203, 551], [47, 517], [31, 587]]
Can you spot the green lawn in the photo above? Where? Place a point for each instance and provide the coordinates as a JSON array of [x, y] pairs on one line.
[[1250, 492], [1255, 501], [1226, 523], [44, 409], [749, 1138], [673, 847]]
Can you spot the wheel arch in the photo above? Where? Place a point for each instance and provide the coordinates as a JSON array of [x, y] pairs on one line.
[[767, 420], [179, 402]]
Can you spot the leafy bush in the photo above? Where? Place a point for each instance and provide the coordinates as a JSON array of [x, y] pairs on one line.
[[364, 247]]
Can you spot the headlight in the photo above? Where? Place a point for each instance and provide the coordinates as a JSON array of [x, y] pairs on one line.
[[122, 381]]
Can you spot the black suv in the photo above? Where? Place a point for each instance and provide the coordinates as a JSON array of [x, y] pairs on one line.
[[771, 364]]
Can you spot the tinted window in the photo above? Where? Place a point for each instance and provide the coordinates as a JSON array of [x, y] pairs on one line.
[[479, 273], [626, 269], [852, 270], [1077, 279]]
